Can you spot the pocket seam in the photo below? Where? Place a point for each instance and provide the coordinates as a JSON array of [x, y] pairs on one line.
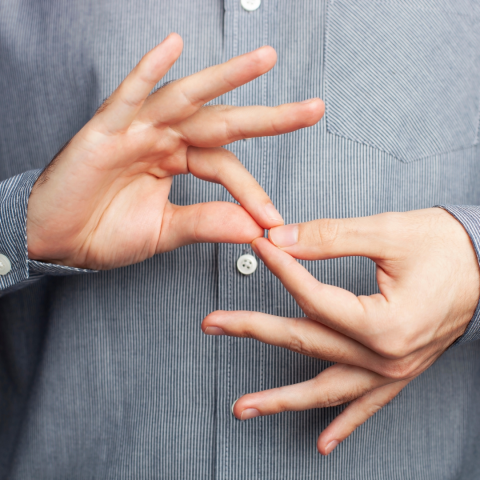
[[327, 58]]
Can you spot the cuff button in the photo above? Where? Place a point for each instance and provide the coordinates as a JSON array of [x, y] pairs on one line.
[[5, 265]]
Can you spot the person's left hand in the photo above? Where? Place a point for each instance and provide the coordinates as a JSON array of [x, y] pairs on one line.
[[429, 281]]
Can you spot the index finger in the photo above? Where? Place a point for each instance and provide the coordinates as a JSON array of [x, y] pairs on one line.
[[335, 307], [121, 108], [182, 98]]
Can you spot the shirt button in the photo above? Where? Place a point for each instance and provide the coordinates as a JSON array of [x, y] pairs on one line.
[[250, 5], [5, 265], [247, 264]]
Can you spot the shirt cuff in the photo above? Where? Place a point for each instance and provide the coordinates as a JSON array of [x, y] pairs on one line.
[[14, 195], [469, 217]]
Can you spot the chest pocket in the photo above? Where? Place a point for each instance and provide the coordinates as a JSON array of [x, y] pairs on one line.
[[403, 76]]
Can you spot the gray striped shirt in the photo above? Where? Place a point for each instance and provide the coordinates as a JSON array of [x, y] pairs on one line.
[[108, 375]]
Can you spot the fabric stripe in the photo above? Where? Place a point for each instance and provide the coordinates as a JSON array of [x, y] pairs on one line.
[[109, 375], [469, 217]]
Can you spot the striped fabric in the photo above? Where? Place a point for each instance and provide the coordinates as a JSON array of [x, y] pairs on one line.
[[14, 194], [469, 216], [397, 72], [108, 375]]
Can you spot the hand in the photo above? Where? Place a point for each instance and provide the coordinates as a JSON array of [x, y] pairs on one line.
[[429, 282], [103, 202]]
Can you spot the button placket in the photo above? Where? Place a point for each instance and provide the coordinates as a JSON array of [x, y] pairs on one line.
[[245, 31]]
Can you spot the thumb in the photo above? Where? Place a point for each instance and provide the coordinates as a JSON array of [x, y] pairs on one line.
[[211, 222], [331, 238]]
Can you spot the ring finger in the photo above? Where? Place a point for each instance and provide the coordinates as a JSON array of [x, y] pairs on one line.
[[311, 338]]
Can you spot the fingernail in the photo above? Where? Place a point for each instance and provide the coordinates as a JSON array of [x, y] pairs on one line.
[[272, 213], [330, 447], [308, 100], [284, 236], [233, 404], [249, 413], [214, 331]]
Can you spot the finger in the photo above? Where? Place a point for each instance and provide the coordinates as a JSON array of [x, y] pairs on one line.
[[215, 222], [300, 335], [357, 413], [330, 238], [228, 124], [122, 106], [221, 166], [334, 386], [335, 307], [182, 98]]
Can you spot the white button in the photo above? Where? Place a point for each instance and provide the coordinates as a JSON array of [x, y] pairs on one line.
[[250, 5], [5, 265], [247, 264]]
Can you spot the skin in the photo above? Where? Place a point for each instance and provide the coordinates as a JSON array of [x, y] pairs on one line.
[[429, 282], [103, 202]]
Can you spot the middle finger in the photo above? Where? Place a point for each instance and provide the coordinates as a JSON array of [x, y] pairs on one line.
[[182, 98], [226, 124], [300, 335], [311, 338]]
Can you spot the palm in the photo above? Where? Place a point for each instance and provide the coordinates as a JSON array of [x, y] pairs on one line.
[[103, 202], [124, 224]]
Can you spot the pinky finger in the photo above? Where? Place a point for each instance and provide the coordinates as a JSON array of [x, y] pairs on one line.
[[357, 413]]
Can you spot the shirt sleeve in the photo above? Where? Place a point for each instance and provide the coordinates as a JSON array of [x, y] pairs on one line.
[[17, 269], [469, 217]]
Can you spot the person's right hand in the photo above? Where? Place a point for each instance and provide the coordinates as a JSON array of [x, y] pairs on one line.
[[103, 201]]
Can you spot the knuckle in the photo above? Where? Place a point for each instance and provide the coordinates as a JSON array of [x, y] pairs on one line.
[[371, 409], [227, 160], [247, 325], [279, 406], [163, 85], [326, 231], [103, 106], [274, 127], [230, 83], [298, 338], [398, 370], [131, 102], [333, 399], [329, 400], [227, 127], [392, 350], [278, 401], [397, 341], [298, 344]]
